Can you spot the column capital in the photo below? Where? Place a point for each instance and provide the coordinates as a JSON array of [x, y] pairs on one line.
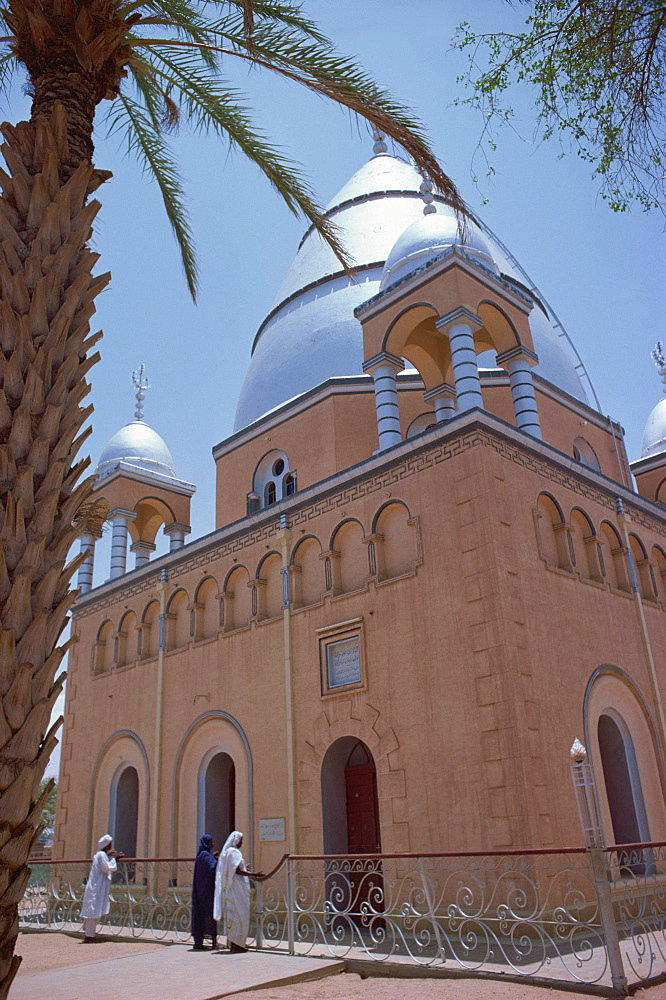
[[176, 528], [460, 315], [440, 390], [518, 353], [141, 546], [383, 358], [121, 512]]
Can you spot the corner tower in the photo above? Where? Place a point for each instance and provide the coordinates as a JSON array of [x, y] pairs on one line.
[[137, 479]]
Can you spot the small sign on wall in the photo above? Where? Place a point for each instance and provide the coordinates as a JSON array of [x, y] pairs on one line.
[[343, 662], [341, 656], [272, 829]]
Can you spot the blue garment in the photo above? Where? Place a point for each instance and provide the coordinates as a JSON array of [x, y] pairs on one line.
[[203, 889]]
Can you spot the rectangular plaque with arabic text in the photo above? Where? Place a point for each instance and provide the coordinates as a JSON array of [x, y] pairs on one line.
[[343, 662]]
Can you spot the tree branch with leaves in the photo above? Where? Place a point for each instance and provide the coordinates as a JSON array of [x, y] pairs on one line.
[[597, 72]]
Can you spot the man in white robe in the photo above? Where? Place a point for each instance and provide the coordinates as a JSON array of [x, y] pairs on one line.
[[96, 901]]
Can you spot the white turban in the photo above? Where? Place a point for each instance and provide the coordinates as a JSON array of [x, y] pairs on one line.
[[104, 841]]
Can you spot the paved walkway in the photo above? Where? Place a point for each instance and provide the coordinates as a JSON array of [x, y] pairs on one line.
[[60, 967], [57, 966]]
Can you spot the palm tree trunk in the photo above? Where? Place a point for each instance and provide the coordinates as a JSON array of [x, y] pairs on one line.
[[47, 297]]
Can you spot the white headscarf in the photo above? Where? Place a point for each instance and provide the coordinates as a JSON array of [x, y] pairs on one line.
[[230, 858], [232, 840], [104, 841]]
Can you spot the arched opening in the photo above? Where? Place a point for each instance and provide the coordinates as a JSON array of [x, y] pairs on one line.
[[350, 810], [289, 485], [584, 453], [622, 782], [125, 811], [307, 573], [217, 798], [350, 813], [273, 480]]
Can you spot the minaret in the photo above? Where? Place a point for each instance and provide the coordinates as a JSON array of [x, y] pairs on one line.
[[650, 469], [135, 475]]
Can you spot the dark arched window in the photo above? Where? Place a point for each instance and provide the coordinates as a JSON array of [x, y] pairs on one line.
[[289, 485], [269, 494]]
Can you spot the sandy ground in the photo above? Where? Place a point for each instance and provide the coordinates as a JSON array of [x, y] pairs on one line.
[[351, 987], [45, 951]]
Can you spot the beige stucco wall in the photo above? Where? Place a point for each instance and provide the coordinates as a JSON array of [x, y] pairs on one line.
[[478, 652]]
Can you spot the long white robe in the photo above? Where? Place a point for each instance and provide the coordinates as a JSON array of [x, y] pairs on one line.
[[232, 896], [96, 896]]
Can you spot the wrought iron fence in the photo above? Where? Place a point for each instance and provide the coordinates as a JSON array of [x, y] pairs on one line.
[[148, 897], [592, 916]]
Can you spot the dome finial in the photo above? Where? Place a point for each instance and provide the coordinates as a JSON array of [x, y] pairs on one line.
[[380, 145], [659, 359], [141, 382], [427, 197]]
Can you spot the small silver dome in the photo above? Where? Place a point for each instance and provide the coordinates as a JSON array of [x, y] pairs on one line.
[[427, 238], [139, 445], [654, 435]]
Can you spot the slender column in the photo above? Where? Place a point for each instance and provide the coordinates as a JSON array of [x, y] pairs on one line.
[[518, 362], [284, 537], [384, 368], [142, 550], [84, 579], [443, 400], [176, 533], [120, 520], [460, 325], [162, 590]]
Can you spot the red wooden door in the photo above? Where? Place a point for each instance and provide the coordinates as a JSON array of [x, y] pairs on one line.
[[362, 818], [363, 837]]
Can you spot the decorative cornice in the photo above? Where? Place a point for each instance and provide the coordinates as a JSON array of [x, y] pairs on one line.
[[449, 257], [377, 474], [125, 470]]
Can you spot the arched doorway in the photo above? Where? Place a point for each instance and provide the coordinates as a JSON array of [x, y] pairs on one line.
[[622, 781], [350, 814], [623, 790], [217, 798], [125, 811], [350, 810]]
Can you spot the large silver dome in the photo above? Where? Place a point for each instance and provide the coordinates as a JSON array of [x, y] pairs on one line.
[[138, 445], [311, 334]]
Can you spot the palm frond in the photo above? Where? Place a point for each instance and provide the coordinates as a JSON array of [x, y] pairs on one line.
[[8, 70], [294, 55], [210, 104], [145, 140], [321, 69]]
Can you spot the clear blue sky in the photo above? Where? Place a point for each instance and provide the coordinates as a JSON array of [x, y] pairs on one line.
[[603, 273]]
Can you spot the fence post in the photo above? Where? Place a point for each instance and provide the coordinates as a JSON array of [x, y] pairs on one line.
[[608, 925], [259, 914], [290, 906]]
